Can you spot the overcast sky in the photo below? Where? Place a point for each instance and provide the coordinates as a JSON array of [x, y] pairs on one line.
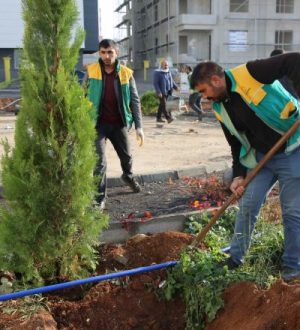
[[107, 18]]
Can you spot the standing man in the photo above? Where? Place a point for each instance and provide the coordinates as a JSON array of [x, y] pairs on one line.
[[164, 85], [194, 97], [112, 90], [254, 111]]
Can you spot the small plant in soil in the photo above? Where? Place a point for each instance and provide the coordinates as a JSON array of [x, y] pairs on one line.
[[201, 278], [220, 233], [48, 228]]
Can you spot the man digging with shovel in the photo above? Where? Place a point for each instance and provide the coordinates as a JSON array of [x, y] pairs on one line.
[[255, 112]]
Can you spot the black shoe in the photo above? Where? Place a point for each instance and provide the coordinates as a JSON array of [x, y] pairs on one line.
[[100, 205], [159, 120], [170, 120], [230, 264], [132, 183]]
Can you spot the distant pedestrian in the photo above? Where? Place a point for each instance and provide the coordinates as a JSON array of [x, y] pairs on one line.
[[112, 90], [164, 85], [194, 97]]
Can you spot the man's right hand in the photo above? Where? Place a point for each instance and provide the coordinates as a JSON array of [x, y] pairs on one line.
[[237, 186], [159, 95]]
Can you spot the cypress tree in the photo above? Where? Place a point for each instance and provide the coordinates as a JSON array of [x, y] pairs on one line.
[[48, 227]]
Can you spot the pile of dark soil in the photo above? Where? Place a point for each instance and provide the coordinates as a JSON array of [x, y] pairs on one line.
[[173, 196]]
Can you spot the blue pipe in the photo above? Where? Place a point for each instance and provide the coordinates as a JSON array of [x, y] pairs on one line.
[[99, 278]]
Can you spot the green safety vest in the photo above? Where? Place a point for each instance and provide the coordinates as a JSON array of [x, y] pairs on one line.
[[272, 103], [95, 89]]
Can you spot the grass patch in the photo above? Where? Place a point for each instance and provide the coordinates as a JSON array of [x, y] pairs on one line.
[[200, 277]]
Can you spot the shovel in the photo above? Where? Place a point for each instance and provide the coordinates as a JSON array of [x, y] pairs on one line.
[[248, 179]]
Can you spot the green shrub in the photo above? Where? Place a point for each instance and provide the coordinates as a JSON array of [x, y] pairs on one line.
[[48, 227], [149, 102]]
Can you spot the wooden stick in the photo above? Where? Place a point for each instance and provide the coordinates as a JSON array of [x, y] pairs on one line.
[[248, 179]]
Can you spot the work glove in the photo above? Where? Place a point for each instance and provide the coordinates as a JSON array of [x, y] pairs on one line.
[[140, 136]]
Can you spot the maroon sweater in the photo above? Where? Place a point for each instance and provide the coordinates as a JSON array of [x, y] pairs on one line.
[[109, 106]]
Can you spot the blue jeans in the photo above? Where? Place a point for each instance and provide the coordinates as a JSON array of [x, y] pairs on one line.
[[285, 169]]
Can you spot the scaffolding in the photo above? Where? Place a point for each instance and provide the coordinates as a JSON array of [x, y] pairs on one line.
[[192, 30]]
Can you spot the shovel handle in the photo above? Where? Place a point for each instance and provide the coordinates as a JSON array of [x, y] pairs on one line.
[[247, 180]]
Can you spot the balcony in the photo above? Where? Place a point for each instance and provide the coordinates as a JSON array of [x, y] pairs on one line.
[[196, 22]]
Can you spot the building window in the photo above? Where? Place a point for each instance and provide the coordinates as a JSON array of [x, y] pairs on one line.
[[285, 6], [17, 58], [284, 39], [238, 41], [155, 13], [156, 46], [167, 42], [239, 6]]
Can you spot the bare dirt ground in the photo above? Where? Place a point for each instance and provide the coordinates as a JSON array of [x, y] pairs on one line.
[[182, 144], [135, 303], [173, 196]]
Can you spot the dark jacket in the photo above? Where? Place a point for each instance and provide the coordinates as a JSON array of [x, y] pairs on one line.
[[261, 136], [163, 82], [125, 90]]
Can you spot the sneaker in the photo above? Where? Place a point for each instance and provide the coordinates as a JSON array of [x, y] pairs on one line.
[[100, 206], [159, 120], [132, 183], [230, 263], [291, 276], [170, 120]]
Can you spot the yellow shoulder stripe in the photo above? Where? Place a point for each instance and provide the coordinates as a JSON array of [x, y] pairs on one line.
[[290, 107], [249, 88], [125, 74], [219, 117], [94, 71]]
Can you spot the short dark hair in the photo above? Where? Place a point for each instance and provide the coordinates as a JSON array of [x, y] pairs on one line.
[[204, 71], [276, 51], [105, 43]]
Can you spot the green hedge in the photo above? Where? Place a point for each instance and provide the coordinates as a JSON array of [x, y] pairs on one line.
[[149, 102]]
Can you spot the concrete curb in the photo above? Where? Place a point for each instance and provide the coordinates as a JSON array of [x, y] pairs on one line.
[[119, 232], [175, 175]]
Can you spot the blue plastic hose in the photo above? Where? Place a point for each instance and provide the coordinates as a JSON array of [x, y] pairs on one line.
[[99, 278]]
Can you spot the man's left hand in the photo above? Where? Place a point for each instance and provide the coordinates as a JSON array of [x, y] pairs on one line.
[[140, 136]]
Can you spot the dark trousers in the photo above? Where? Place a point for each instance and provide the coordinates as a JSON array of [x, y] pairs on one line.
[[194, 103], [162, 108], [118, 136]]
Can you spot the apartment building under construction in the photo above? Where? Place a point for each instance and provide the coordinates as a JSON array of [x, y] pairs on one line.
[[188, 31]]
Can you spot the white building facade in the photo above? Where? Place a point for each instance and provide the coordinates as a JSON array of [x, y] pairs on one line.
[[12, 29], [229, 32]]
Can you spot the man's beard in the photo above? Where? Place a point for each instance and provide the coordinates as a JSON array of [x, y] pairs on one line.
[[221, 96]]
